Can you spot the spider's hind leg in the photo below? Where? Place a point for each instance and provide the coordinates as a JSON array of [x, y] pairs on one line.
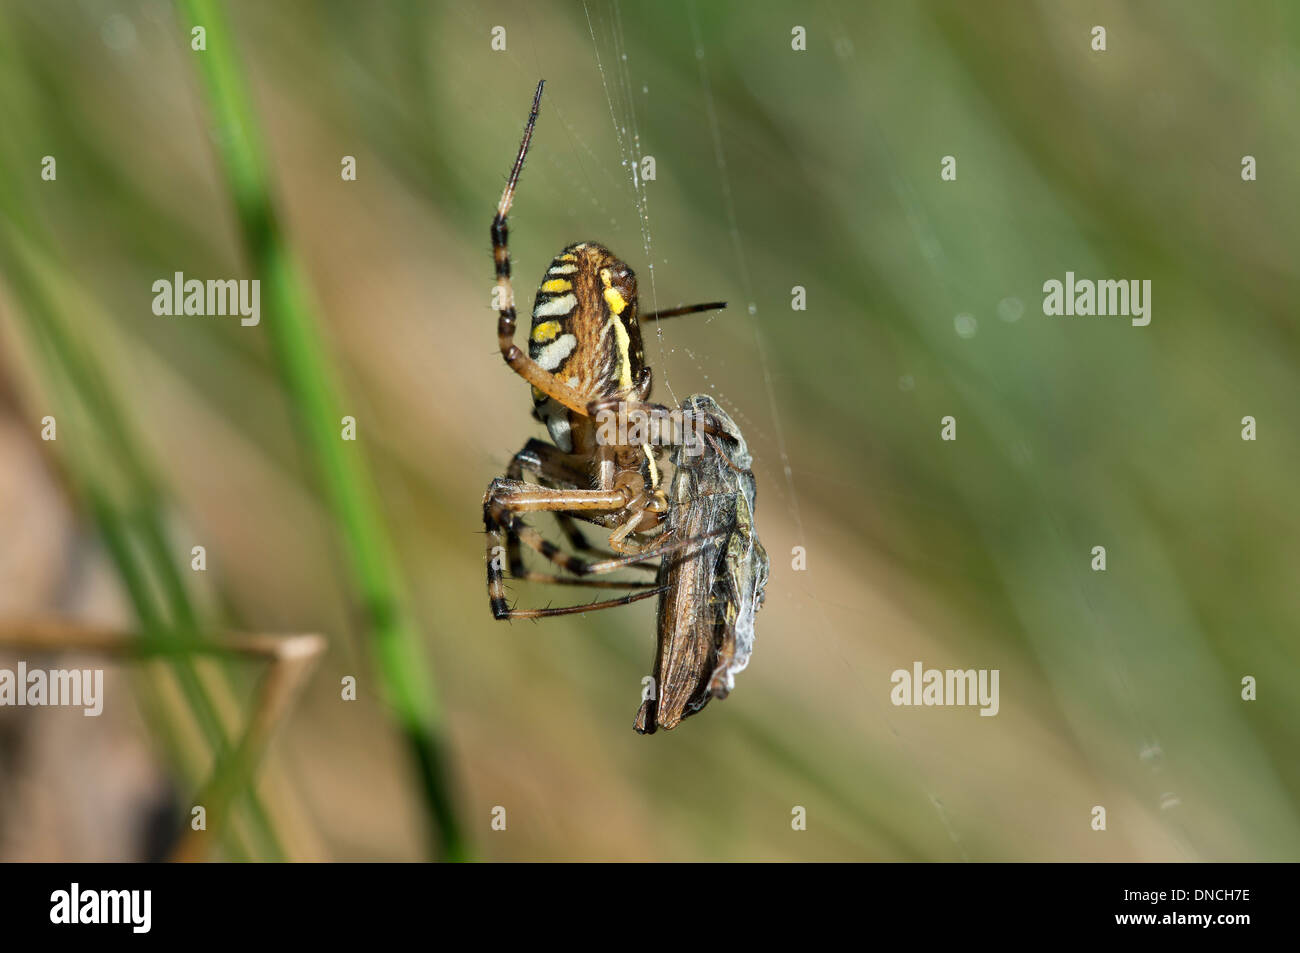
[[506, 498], [552, 466], [507, 319], [503, 505]]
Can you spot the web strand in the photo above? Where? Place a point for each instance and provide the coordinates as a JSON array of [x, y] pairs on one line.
[[629, 143], [742, 263]]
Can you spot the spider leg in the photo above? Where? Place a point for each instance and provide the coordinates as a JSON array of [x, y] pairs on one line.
[[530, 537], [576, 610], [519, 362], [551, 464], [683, 309], [547, 461], [660, 417], [554, 579], [504, 612], [618, 540], [506, 498], [578, 540]]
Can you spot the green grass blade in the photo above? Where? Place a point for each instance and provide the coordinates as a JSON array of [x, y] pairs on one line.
[[305, 369]]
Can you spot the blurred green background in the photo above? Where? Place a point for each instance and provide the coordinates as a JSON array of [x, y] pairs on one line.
[[775, 168]]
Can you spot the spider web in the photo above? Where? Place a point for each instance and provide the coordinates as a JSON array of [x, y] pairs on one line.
[[624, 96], [620, 97], [618, 88], [584, 168]]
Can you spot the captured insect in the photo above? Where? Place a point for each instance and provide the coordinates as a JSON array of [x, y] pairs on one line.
[[585, 359], [710, 594], [584, 346]]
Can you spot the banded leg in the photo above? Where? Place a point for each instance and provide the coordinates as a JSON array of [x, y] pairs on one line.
[[683, 309], [657, 414], [662, 549], [549, 463], [546, 463], [501, 610], [575, 610], [574, 565], [519, 362], [506, 498]]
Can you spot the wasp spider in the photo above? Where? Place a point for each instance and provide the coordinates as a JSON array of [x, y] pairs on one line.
[[584, 350]]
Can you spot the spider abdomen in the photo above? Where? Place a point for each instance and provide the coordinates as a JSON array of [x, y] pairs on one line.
[[585, 331]]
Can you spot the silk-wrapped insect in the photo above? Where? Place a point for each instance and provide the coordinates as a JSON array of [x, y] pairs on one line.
[[710, 592]]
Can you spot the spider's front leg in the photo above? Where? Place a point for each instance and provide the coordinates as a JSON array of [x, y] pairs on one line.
[[506, 500], [555, 468], [617, 435], [663, 426], [647, 425], [507, 320]]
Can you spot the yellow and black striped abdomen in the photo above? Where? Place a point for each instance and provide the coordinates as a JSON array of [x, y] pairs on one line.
[[585, 329], [553, 340]]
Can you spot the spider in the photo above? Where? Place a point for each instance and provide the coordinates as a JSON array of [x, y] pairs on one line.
[[584, 354]]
